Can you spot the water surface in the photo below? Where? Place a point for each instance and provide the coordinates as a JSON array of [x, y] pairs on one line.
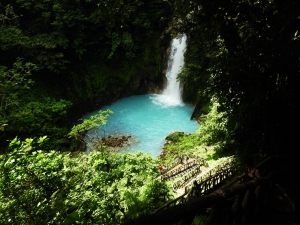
[[150, 118], [144, 118]]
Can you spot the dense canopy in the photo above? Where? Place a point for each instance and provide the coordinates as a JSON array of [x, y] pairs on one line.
[[61, 59], [246, 55], [58, 56]]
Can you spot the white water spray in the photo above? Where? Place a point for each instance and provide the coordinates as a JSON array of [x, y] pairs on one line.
[[171, 96]]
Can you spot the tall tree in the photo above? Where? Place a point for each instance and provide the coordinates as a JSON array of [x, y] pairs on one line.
[[245, 54], [80, 48]]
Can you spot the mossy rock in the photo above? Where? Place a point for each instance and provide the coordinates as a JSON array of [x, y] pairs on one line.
[[175, 137]]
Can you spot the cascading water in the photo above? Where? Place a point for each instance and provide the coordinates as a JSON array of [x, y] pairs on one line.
[[150, 118], [171, 96]]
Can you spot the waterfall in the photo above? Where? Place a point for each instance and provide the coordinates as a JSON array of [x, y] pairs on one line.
[[148, 119], [171, 96]]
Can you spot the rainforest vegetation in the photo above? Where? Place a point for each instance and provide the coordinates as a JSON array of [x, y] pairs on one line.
[[62, 59]]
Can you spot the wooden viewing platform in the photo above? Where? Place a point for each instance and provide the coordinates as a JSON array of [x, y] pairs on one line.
[[261, 201]]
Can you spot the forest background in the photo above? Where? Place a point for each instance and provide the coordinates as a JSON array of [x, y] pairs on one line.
[[60, 59]]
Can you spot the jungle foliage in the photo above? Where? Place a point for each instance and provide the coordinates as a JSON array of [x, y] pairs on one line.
[[88, 131], [58, 55], [55, 56], [23, 110], [48, 187], [245, 55], [208, 141]]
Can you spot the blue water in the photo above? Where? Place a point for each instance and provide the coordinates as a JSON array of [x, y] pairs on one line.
[[146, 119]]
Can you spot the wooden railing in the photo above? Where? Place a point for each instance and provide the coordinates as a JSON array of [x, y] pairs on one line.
[[234, 202], [189, 209], [186, 178], [215, 176], [172, 174], [184, 168], [209, 181]]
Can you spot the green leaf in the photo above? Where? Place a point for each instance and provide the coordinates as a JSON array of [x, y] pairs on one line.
[[71, 218]]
